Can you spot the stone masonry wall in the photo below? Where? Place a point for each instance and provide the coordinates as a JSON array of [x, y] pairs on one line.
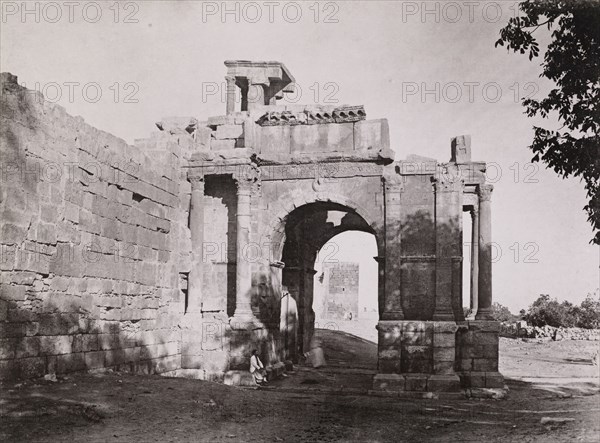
[[94, 243]]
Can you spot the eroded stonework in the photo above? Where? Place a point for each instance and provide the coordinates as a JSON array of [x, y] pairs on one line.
[[171, 255]]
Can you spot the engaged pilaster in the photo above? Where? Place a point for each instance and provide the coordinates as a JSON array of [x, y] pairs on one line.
[[448, 215], [197, 234], [392, 304], [484, 284]]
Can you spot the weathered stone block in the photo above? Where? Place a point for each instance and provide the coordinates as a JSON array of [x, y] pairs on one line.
[[94, 359], [211, 361], [70, 363], [485, 339], [464, 365], [9, 369], [389, 354], [117, 357], [485, 364], [388, 382], [109, 341], [417, 338], [322, 138], [371, 134], [392, 366], [12, 234], [443, 367], [221, 120], [239, 378], [229, 132], [85, 342], [28, 347], [414, 326], [473, 380], [442, 327], [461, 149], [484, 326], [161, 350], [274, 139], [222, 145], [444, 354], [7, 348], [31, 367], [443, 383], [13, 292], [416, 382], [494, 380], [56, 344], [12, 329], [203, 135]]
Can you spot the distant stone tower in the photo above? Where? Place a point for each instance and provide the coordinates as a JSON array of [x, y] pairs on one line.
[[337, 296]]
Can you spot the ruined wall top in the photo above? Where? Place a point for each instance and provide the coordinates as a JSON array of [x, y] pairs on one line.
[[261, 83]]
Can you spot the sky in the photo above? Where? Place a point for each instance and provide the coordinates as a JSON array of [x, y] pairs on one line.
[[430, 68]]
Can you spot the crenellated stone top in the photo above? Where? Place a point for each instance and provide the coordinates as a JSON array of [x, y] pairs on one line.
[[313, 115]]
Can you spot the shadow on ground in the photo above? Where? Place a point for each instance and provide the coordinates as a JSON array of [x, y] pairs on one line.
[[544, 405]]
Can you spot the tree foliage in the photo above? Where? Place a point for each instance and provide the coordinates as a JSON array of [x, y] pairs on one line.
[[502, 313], [572, 62], [547, 311]]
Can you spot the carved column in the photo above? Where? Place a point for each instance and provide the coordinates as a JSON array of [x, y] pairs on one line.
[[197, 233], [474, 260], [243, 310], [484, 284], [392, 304], [448, 215], [230, 94]]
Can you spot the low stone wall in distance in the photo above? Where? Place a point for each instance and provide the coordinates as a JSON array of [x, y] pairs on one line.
[[523, 330]]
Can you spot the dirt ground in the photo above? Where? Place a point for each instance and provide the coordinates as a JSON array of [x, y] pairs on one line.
[[553, 396]]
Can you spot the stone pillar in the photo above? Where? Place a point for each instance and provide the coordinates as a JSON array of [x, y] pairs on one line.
[[474, 260], [484, 284], [256, 96], [243, 314], [230, 94], [197, 233], [448, 215]]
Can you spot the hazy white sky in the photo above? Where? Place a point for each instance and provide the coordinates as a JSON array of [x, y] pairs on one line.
[[430, 68]]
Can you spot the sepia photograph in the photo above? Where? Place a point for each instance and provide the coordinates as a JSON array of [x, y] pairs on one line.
[[300, 221]]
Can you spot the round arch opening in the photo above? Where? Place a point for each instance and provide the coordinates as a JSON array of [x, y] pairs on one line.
[[325, 233]]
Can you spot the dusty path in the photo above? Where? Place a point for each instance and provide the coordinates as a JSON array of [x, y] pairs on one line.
[[120, 407]]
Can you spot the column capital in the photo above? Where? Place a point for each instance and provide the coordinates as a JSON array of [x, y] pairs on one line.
[[485, 192], [448, 184], [393, 182], [230, 79], [277, 264], [247, 178], [196, 180]]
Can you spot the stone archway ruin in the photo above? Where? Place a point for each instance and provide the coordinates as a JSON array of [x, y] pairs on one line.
[[307, 229], [212, 208]]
